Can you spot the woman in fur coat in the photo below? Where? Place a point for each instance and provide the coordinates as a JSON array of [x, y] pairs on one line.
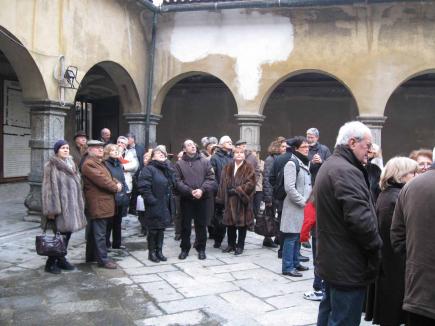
[[236, 192], [62, 200]]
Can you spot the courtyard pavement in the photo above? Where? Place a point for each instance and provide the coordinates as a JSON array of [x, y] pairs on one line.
[[222, 290]]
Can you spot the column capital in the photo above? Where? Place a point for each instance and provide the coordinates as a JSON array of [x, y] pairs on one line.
[[141, 118], [48, 106], [372, 121], [250, 119]]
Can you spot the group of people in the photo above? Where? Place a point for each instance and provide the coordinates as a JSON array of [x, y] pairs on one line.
[[346, 201]]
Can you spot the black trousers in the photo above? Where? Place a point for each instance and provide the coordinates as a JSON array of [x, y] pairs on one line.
[[258, 198], [114, 228], [219, 229], [96, 248], [418, 320], [232, 236], [195, 210]]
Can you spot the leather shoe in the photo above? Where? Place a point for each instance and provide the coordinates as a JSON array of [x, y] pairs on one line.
[[108, 265], [183, 255], [302, 268], [201, 255], [152, 256], [303, 259], [293, 273], [268, 242], [51, 267], [216, 244], [228, 249], [238, 251], [160, 255]]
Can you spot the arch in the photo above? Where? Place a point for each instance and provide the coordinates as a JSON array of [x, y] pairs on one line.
[[163, 91], [126, 88], [410, 114], [24, 65], [269, 92], [196, 105], [406, 79]]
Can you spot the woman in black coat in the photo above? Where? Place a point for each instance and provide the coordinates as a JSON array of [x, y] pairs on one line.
[[155, 184], [385, 296], [111, 154]]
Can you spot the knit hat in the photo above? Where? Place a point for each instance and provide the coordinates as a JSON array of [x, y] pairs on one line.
[[59, 144]]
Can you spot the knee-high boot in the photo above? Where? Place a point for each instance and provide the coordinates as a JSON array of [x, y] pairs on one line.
[[151, 238], [159, 245]]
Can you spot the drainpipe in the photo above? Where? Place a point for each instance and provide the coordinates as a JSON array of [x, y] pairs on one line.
[[258, 4], [150, 80]]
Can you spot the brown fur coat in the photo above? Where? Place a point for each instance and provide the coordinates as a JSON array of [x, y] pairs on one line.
[[62, 195], [238, 208]]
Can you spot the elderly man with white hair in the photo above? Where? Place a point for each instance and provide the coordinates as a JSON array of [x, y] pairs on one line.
[[348, 241], [318, 152]]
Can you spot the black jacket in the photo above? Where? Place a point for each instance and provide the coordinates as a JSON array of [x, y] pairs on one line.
[[374, 173], [194, 173], [140, 151], [323, 152], [267, 186], [218, 161], [117, 172], [385, 297], [278, 165], [348, 241], [155, 184]]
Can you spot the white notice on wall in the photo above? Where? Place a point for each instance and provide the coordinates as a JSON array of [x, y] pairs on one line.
[[16, 132]]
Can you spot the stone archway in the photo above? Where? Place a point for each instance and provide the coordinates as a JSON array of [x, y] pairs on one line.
[[106, 98], [410, 113], [307, 99], [196, 105]]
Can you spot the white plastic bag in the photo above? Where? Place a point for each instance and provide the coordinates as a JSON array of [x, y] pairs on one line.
[[140, 206]]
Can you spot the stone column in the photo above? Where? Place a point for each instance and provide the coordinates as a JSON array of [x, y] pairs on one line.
[[48, 126], [375, 123], [250, 129], [154, 121], [136, 125]]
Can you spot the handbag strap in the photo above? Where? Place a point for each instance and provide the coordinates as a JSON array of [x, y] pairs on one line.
[[54, 226]]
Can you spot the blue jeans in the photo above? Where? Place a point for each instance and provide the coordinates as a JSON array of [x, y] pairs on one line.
[[318, 283], [341, 307], [290, 251]]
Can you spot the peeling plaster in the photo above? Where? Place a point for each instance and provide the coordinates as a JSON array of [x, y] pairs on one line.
[[252, 39]]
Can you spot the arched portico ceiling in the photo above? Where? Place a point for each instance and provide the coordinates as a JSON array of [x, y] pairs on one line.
[[163, 91], [108, 78], [422, 75], [296, 73], [25, 67]]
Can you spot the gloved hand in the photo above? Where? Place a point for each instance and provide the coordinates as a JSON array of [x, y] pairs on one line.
[[232, 192]]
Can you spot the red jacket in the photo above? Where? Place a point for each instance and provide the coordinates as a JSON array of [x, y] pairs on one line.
[[309, 221]]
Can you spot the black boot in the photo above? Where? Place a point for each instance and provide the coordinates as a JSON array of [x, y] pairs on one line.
[[151, 238], [64, 264], [51, 266], [159, 245]]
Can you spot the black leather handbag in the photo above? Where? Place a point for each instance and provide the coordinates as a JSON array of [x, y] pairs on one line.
[[266, 224], [50, 245]]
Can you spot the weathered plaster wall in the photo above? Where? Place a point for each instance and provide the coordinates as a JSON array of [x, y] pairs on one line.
[[86, 33], [370, 49]]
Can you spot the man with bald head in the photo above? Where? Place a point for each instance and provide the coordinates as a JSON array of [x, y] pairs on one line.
[[195, 181], [105, 136]]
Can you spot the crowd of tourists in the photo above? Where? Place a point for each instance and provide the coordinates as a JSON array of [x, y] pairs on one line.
[[371, 226]]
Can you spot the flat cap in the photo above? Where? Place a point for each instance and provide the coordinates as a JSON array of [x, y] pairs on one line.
[[93, 142], [241, 142], [80, 133]]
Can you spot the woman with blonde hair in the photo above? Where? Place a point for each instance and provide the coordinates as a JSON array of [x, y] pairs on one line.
[[385, 297]]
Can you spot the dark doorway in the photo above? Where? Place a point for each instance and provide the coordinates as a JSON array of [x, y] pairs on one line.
[[196, 107], [410, 113], [97, 106], [305, 101]]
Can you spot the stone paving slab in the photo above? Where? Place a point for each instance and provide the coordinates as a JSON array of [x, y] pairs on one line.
[[224, 289]]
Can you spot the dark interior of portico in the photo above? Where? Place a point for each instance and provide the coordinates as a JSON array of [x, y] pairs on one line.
[[304, 101], [410, 113], [97, 106], [197, 106]]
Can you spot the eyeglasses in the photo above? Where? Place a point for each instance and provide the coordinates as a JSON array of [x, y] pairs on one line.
[[304, 146]]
